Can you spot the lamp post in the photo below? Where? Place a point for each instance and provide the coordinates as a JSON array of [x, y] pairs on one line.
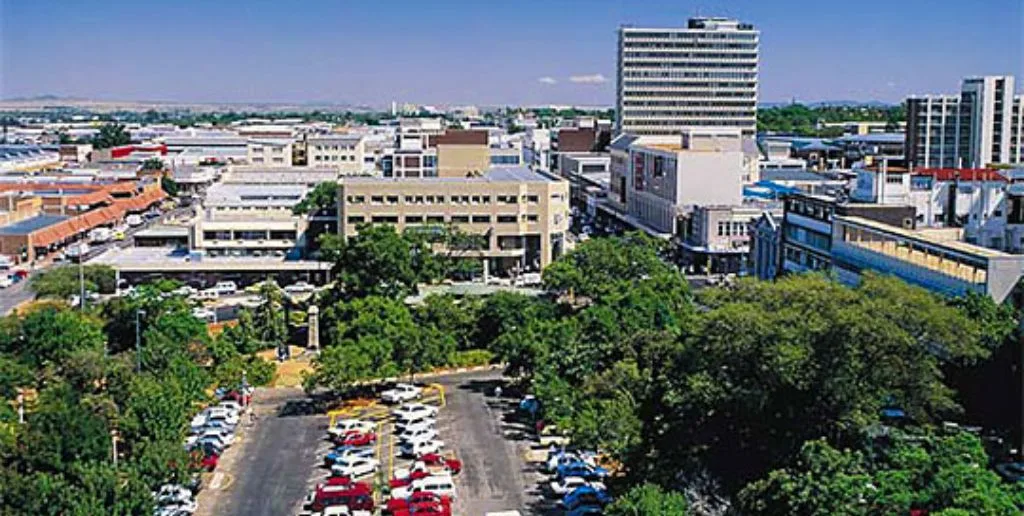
[[138, 339], [81, 277]]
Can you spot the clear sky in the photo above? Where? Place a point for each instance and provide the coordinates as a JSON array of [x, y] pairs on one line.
[[480, 51]]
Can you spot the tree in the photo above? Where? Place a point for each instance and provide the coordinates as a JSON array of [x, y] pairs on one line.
[[931, 473], [111, 135], [648, 500], [169, 185], [449, 316], [153, 164], [376, 262], [62, 282], [269, 321], [50, 335], [322, 198]]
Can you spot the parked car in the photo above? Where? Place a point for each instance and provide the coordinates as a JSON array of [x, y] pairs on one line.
[[226, 288], [171, 494], [561, 458], [401, 393], [421, 499], [300, 287], [355, 467], [421, 420], [435, 460], [413, 410], [441, 485], [419, 448], [417, 434], [356, 439], [223, 435], [345, 426], [133, 220], [561, 487], [581, 469], [178, 509], [204, 314], [5, 281], [345, 452], [586, 510], [357, 497], [585, 495]]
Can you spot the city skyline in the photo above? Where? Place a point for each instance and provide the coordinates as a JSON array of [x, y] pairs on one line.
[[467, 53]]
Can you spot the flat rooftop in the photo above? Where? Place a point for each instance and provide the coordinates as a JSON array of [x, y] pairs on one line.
[[163, 231], [158, 259], [924, 236], [514, 174], [31, 225]]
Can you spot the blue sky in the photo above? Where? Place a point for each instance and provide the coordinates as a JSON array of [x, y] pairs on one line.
[[480, 51]]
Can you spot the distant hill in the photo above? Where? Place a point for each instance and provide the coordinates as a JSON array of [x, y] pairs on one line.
[[837, 103]]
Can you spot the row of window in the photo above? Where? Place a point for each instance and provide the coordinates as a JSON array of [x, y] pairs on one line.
[[693, 36], [504, 159], [698, 84], [690, 103], [275, 160], [695, 55], [440, 219], [728, 228], [335, 147], [334, 158], [691, 45], [689, 122], [441, 199], [249, 235], [688, 113], [695, 94], [662, 74], [687, 65]]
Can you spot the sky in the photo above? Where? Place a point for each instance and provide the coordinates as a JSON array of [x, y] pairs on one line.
[[484, 52]]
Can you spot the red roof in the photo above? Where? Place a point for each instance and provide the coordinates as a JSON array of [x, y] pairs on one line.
[[80, 224], [964, 174]]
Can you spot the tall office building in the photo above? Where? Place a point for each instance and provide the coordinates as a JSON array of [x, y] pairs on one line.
[[703, 75], [982, 125]]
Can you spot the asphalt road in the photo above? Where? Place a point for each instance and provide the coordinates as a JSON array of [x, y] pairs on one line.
[[276, 462], [14, 295]]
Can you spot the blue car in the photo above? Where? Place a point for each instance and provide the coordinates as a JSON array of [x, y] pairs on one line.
[[585, 496], [341, 451], [581, 469]]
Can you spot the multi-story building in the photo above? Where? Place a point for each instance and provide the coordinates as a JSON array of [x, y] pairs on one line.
[[983, 125], [270, 152], [523, 214], [717, 239], [345, 152], [701, 75], [658, 179]]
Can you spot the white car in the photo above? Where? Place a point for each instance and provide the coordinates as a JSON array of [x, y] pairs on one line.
[[177, 509], [344, 426], [355, 467], [406, 425], [198, 421], [417, 434], [414, 411], [226, 288], [401, 393], [441, 485], [5, 281], [560, 488], [204, 314], [172, 494], [300, 287], [225, 436], [231, 405], [420, 448], [228, 415]]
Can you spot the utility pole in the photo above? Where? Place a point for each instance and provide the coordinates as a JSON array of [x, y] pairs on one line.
[[81, 277], [138, 340], [21, 406], [113, 443]]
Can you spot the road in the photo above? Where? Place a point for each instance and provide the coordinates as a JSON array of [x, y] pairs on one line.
[[14, 295], [274, 465]]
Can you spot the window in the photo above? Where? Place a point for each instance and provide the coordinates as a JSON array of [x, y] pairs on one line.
[[392, 199], [385, 219], [462, 219], [356, 219], [532, 199], [414, 219], [506, 219], [481, 219], [531, 218], [282, 235], [377, 199], [435, 219]]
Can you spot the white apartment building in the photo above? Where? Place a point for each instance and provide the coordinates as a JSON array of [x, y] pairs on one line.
[[345, 152], [276, 152], [981, 126], [701, 75]]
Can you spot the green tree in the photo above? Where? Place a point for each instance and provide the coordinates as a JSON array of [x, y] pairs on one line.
[[376, 262], [111, 135], [449, 316], [169, 185], [153, 164], [50, 335], [648, 500], [322, 198], [269, 321], [62, 282]]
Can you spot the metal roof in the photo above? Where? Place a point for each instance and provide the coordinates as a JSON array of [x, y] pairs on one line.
[[27, 226]]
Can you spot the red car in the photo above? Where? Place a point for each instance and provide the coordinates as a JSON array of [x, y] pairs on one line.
[[402, 482], [358, 439], [209, 462], [336, 481], [419, 503], [357, 497], [436, 459]]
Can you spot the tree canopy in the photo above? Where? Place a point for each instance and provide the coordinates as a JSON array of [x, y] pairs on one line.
[[111, 135]]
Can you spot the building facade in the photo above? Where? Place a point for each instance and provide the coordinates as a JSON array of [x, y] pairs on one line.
[[344, 152], [523, 214], [701, 75], [983, 125]]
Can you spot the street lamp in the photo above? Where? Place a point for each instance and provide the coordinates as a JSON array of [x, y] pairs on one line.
[[138, 339], [81, 276]]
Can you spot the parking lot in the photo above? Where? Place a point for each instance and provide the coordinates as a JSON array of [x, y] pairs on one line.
[[280, 459]]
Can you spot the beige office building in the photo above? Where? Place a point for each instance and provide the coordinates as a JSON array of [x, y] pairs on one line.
[[524, 214]]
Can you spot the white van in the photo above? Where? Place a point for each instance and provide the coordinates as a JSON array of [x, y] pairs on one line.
[[133, 220], [207, 294], [225, 288], [100, 235]]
